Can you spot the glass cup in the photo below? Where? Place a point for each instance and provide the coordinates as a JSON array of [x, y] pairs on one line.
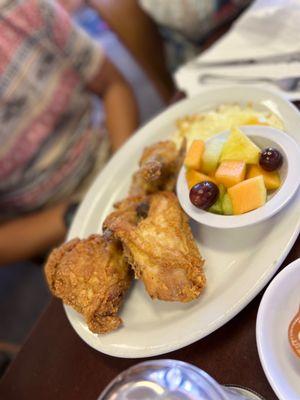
[[171, 380]]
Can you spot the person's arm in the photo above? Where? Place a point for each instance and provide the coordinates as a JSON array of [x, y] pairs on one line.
[[119, 103], [140, 35], [30, 236]]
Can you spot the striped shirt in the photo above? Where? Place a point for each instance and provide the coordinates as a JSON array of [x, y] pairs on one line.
[[48, 141]]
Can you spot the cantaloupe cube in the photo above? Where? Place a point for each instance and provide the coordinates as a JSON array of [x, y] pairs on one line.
[[194, 177], [193, 158], [271, 179], [230, 173], [248, 195]]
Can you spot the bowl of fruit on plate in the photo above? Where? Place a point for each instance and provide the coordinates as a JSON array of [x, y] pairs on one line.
[[239, 177]]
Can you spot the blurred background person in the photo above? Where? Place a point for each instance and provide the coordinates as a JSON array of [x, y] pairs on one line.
[[64, 109], [53, 136]]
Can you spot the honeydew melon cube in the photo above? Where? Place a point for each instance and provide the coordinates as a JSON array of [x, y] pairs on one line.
[[212, 154]]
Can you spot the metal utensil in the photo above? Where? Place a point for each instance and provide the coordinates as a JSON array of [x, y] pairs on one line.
[[273, 59], [288, 84]]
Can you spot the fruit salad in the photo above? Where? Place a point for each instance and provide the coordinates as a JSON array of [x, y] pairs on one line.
[[231, 176]]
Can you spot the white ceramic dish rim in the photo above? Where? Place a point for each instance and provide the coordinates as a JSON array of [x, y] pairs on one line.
[[267, 98], [274, 286], [291, 183]]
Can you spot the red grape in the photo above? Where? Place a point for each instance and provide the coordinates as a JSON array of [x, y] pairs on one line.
[[203, 195], [270, 159]]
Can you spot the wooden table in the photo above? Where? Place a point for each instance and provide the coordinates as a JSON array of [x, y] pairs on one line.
[[55, 363]]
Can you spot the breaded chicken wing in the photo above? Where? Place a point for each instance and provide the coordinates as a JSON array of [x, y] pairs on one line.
[[92, 276], [159, 167], [159, 245]]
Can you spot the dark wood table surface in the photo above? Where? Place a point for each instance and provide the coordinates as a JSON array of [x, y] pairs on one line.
[[55, 363]]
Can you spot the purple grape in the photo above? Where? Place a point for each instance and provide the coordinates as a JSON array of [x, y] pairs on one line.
[[270, 159], [203, 195]]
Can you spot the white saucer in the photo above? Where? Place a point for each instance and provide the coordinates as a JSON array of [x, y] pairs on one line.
[[279, 305]]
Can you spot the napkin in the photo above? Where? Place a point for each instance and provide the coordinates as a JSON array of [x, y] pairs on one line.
[[267, 28]]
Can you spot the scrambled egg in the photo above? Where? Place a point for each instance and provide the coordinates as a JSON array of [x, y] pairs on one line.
[[204, 126]]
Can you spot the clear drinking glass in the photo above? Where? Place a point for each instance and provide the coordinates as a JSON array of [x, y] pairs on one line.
[[170, 380]]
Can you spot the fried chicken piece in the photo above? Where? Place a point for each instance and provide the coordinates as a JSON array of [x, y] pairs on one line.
[[130, 210], [92, 276], [160, 246], [159, 167]]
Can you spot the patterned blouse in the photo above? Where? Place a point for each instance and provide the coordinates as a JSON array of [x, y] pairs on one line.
[[48, 141]]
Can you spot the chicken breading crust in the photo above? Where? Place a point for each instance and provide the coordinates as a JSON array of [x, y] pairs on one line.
[[160, 247], [92, 276]]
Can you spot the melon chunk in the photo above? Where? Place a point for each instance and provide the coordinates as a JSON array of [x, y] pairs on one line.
[[230, 173], [271, 179], [248, 195], [240, 148], [193, 158], [227, 205], [194, 177], [212, 154], [217, 208]]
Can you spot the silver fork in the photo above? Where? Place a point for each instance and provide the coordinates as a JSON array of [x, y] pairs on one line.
[[288, 84]]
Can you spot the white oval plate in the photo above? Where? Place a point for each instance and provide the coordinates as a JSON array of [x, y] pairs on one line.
[[279, 305], [263, 136], [238, 263]]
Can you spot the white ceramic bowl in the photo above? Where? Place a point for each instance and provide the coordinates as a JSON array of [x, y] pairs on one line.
[[262, 136], [278, 307]]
